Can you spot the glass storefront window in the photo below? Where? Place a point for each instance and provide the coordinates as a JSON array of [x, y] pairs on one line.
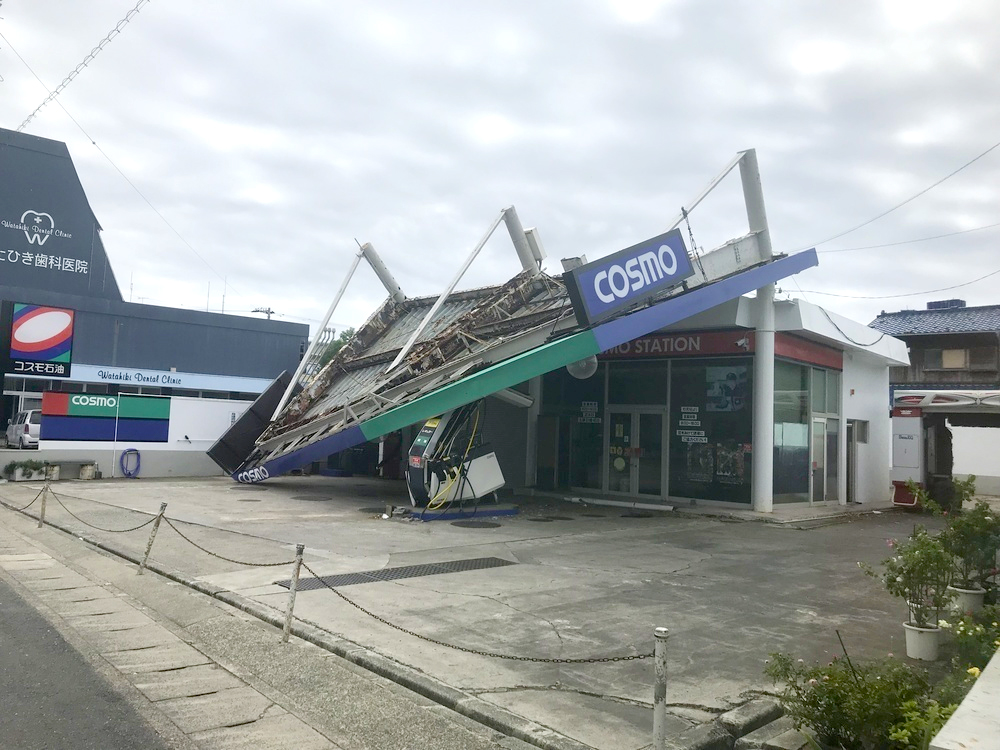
[[833, 392], [819, 390], [791, 432], [711, 419], [638, 383], [571, 430]]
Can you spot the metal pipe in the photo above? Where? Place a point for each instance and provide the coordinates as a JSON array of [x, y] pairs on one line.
[[660, 636], [387, 279], [753, 197], [520, 240], [293, 587], [152, 536], [444, 295], [315, 339]]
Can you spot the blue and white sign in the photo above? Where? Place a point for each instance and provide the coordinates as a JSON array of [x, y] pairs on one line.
[[606, 286]]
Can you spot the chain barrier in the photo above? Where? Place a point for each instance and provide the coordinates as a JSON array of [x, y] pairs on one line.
[[227, 559], [23, 507], [99, 528], [478, 652]]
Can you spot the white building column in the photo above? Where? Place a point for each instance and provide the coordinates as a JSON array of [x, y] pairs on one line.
[[762, 477]]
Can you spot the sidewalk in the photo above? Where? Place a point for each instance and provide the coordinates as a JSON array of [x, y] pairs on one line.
[[219, 678], [567, 582]]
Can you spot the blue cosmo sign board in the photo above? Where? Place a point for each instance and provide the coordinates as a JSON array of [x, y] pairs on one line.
[[607, 286]]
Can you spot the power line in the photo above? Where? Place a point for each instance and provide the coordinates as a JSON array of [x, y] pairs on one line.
[[908, 242], [118, 169], [903, 203], [85, 62], [908, 294]]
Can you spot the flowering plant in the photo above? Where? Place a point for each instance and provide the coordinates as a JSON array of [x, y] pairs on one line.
[[977, 637], [850, 706], [919, 572], [973, 538]]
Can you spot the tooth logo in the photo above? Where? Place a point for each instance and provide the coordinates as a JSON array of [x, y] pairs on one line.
[[38, 226]]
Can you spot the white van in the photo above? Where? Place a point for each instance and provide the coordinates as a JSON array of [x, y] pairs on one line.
[[22, 430]]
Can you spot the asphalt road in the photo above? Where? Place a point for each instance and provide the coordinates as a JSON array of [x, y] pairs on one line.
[[51, 697]]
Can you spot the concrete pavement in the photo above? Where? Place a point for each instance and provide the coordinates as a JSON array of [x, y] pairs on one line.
[[581, 582]]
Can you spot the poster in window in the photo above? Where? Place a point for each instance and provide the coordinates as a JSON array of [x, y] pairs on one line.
[[700, 462], [726, 388], [729, 466]]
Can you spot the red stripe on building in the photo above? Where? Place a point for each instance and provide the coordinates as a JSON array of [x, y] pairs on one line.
[[55, 404]]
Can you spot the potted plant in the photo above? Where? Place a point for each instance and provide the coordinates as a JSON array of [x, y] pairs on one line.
[[25, 471], [972, 538], [919, 572]]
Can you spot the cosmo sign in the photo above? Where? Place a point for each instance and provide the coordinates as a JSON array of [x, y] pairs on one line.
[[606, 286]]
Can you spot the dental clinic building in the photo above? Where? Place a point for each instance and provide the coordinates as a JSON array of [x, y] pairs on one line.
[[65, 329]]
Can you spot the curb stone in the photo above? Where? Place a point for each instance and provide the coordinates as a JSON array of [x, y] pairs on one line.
[[750, 716]]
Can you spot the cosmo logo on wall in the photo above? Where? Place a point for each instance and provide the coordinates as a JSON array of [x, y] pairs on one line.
[[41, 340]]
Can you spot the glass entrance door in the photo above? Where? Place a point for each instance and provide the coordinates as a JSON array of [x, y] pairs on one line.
[[818, 464], [635, 453]]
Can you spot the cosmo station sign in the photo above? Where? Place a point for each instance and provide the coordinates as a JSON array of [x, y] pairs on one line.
[[600, 289]]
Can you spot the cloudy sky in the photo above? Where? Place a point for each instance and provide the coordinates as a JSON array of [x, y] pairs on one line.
[[268, 137]]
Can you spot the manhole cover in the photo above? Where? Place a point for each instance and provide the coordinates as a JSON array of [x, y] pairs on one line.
[[379, 509], [560, 518], [249, 500], [637, 515], [541, 519], [476, 524], [249, 488], [594, 515]]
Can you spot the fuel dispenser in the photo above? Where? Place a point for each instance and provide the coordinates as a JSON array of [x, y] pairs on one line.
[[448, 461]]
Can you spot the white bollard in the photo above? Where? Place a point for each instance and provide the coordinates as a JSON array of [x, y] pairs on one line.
[[152, 536], [45, 492], [660, 688], [299, 549]]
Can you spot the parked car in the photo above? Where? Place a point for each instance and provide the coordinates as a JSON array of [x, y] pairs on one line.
[[22, 430]]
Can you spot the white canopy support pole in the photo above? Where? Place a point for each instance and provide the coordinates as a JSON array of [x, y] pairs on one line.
[[520, 240], [316, 336], [762, 478], [387, 279], [444, 295]]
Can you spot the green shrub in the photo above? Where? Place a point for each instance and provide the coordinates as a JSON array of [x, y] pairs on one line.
[[921, 722], [28, 466], [977, 636], [850, 708]]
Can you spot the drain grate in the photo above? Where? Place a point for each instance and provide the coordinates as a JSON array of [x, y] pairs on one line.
[[397, 574]]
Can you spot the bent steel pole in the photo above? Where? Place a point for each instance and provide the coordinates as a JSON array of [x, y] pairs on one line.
[[450, 288], [315, 339]]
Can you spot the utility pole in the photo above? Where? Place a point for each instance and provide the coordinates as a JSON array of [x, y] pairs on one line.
[[266, 310]]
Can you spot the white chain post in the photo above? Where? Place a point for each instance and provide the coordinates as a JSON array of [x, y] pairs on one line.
[[152, 536], [299, 549], [45, 492], [660, 688]]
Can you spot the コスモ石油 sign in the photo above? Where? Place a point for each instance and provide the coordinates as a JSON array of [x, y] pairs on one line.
[[628, 277], [41, 340]]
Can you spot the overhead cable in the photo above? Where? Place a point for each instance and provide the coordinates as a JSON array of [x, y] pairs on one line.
[[903, 203], [908, 294], [908, 242], [85, 62]]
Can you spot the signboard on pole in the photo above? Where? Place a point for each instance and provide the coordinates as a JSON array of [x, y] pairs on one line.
[[600, 289]]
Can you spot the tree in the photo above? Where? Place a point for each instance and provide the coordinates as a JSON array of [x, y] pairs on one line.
[[335, 346]]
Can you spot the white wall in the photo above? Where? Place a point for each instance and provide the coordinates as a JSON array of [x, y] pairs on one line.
[[977, 451], [866, 396], [195, 423]]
